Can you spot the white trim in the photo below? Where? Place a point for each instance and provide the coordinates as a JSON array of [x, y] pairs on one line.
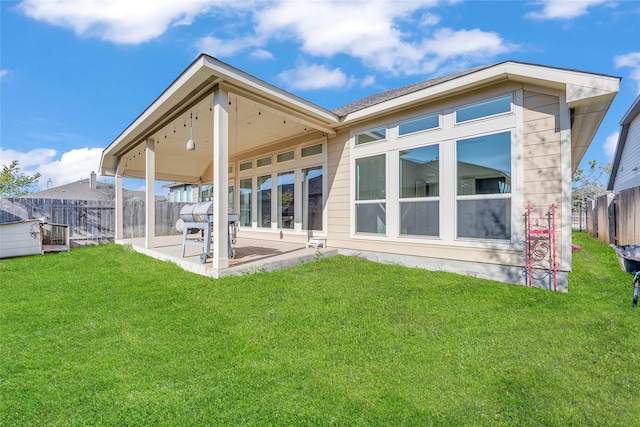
[[446, 136], [119, 209], [565, 156], [220, 160], [517, 169], [509, 71], [150, 196]]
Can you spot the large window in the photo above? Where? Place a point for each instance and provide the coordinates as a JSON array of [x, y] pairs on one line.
[[232, 198], [246, 191], [264, 201], [286, 200], [484, 186], [420, 191], [370, 194], [312, 198], [283, 190]]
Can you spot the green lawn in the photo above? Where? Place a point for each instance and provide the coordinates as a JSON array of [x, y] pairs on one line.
[[106, 336]]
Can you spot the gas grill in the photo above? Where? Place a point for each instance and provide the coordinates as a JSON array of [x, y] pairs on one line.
[[198, 218]]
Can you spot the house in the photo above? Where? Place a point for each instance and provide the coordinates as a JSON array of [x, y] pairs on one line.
[[625, 171], [184, 192], [86, 189], [436, 174]]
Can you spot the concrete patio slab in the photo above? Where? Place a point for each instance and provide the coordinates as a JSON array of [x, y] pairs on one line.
[[252, 255]]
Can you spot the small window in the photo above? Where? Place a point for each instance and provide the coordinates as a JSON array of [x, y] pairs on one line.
[[265, 161], [312, 150], [284, 157], [371, 136], [417, 125], [484, 109], [246, 166], [230, 170]]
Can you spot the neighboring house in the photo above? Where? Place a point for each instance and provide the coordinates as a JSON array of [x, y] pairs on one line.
[[183, 192], [436, 174], [625, 171], [86, 189]]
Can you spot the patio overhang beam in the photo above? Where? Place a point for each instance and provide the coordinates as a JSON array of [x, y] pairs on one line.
[[188, 102], [270, 105], [141, 174]]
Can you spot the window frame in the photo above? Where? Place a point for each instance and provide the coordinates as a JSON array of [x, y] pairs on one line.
[[371, 130], [480, 103], [485, 196], [416, 119], [297, 165], [378, 201], [420, 199], [446, 135]]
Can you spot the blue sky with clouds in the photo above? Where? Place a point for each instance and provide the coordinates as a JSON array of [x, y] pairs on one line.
[[74, 74]]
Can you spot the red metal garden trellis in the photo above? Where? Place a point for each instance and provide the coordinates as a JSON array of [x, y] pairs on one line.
[[540, 247]]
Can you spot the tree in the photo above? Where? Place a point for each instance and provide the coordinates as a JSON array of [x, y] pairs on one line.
[[588, 185], [14, 183]]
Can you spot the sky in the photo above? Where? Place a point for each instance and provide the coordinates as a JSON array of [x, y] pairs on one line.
[[74, 74]]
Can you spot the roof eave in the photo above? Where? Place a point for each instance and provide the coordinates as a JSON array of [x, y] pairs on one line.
[[196, 82]]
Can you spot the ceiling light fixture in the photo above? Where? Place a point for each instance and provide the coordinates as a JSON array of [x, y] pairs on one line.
[[191, 145]]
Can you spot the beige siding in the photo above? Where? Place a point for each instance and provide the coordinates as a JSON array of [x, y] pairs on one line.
[[338, 202], [542, 186], [542, 157]]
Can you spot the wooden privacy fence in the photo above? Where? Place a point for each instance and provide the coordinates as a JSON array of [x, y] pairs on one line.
[[92, 221], [615, 219]]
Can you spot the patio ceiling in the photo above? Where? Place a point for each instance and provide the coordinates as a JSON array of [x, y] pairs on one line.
[[260, 115]]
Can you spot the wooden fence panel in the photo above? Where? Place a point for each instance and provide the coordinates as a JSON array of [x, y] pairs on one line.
[[92, 221], [628, 217], [615, 219]]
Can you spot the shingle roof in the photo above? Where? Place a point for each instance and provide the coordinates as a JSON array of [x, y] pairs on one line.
[[81, 190], [400, 91], [414, 87]]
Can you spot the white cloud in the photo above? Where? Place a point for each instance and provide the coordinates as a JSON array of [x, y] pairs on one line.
[[27, 160], [118, 21], [630, 60], [563, 9], [220, 48], [3, 74], [429, 20], [373, 32], [71, 166], [368, 81], [261, 54], [449, 43], [386, 35], [610, 145], [309, 77]]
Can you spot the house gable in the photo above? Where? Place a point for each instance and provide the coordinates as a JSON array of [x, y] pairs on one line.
[[625, 171]]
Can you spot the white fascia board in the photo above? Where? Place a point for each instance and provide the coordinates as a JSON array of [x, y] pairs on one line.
[[194, 76], [181, 81], [252, 84], [581, 86], [471, 81], [578, 85]]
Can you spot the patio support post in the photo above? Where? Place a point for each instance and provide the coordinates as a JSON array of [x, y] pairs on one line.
[[220, 178], [150, 196], [119, 231]]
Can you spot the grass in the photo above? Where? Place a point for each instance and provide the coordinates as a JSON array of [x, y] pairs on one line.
[[106, 336]]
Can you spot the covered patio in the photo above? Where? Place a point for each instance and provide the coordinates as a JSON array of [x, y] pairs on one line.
[[204, 129]]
